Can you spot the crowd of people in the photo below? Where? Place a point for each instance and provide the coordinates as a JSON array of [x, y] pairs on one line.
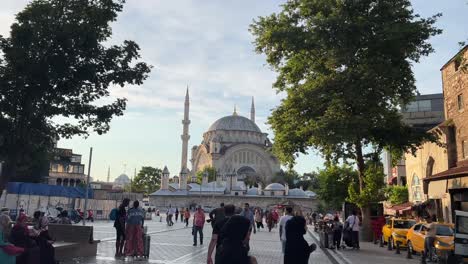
[[22, 245]]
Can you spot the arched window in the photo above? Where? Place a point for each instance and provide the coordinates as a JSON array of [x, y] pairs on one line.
[[416, 188], [59, 181], [429, 166]]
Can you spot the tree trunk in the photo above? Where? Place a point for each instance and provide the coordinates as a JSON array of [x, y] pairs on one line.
[[366, 232]]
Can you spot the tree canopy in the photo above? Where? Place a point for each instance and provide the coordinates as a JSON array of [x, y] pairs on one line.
[[211, 174], [333, 185], [148, 180], [345, 69], [56, 68]]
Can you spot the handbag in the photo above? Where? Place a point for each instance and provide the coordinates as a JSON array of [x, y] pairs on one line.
[[12, 250]]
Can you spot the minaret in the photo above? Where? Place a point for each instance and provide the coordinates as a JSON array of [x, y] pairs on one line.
[[165, 179], [185, 136], [252, 111], [108, 174]]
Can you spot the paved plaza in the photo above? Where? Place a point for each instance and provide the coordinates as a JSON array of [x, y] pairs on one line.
[[173, 245]]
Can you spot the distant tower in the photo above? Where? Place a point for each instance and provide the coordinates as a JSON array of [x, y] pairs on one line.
[[183, 179], [108, 174], [252, 111], [165, 179], [185, 136]]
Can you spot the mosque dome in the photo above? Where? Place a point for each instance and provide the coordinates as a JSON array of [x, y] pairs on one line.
[[123, 179], [274, 187], [235, 122], [297, 192]]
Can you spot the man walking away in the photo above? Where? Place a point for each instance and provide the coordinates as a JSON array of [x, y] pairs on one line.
[[282, 227], [186, 216], [353, 224], [134, 231], [217, 236], [217, 214], [176, 214], [198, 223], [119, 225], [431, 229], [170, 213]]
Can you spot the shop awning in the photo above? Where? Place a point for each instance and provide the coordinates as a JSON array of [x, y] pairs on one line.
[[399, 208], [454, 172]]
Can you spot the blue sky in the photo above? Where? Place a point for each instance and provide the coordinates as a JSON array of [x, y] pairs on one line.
[[206, 45]]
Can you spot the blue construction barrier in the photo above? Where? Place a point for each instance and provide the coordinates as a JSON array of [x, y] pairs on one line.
[[47, 190]]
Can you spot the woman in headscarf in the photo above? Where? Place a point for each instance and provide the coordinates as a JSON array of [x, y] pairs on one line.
[[297, 250], [232, 249], [5, 226], [20, 237]]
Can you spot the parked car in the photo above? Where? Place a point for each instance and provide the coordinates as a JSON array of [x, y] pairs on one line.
[[444, 242], [395, 231]]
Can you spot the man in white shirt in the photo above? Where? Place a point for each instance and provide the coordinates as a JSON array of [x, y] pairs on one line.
[[282, 226], [431, 233], [353, 223]]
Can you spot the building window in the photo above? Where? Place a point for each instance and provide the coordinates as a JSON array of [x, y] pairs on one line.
[[416, 188], [419, 106], [465, 149], [460, 101]]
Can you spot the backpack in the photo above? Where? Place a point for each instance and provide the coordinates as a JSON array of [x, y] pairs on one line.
[[113, 214]]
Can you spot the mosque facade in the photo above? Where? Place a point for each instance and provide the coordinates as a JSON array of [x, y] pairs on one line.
[[237, 149]]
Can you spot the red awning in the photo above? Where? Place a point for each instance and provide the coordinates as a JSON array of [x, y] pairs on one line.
[[399, 208]]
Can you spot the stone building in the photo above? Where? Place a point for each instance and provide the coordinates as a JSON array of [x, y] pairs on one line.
[[439, 173], [66, 168]]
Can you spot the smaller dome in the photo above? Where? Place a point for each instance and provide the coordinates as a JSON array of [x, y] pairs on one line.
[[274, 187], [122, 179], [252, 191]]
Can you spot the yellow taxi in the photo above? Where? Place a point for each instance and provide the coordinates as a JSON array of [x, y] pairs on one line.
[[395, 229], [444, 242]]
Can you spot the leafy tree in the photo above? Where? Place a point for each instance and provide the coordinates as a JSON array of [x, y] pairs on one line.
[[375, 187], [397, 194], [148, 180], [309, 181], [211, 174], [55, 74], [333, 185], [290, 177], [345, 68]]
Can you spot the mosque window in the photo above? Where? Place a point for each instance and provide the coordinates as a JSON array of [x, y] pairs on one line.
[[416, 188], [272, 193]]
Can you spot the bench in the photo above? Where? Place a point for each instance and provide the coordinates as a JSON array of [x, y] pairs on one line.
[[73, 241]]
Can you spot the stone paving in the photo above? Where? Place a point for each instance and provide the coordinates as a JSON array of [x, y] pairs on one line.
[[173, 245]]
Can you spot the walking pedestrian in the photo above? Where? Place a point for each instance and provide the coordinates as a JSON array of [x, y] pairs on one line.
[[275, 217], [314, 218], [170, 213], [352, 224], [269, 220], [282, 225], [232, 249], [217, 214], [258, 219], [297, 251], [247, 213], [198, 223], [176, 214], [119, 225], [134, 231], [431, 229], [216, 236], [337, 231], [186, 216]]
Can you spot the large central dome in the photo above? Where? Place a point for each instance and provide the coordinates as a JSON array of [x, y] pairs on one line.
[[235, 122]]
